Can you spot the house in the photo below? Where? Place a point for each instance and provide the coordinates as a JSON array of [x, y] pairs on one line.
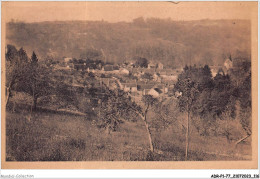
[[126, 88], [214, 70], [129, 87], [228, 64], [111, 69], [147, 70], [141, 85], [151, 65], [162, 87], [90, 69], [131, 64], [111, 83], [115, 67], [173, 78], [160, 66], [146, 91], [169, 72], [145, 88], [178, 94], [155, 92], [67, 59], [99, 66], [156, 77], [136, 70], [124, 71]]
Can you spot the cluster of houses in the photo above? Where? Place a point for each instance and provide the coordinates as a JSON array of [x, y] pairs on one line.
[[137, 88], [137, 85], [134, 81]]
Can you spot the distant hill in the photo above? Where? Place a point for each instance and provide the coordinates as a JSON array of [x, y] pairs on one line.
[[174, 43]]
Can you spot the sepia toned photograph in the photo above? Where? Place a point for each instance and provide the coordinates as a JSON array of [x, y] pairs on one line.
[[131, 82]]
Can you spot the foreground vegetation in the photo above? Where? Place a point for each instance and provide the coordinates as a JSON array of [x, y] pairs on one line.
[[59, 136]]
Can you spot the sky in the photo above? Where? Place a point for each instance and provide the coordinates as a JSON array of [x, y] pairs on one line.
[[125, 11]]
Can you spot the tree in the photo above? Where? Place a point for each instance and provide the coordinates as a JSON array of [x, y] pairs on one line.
[[36, 82], [34, 58], [206, 99], [189, 90], [12, 70], [16, 68], [141, 62], [116, 106], [11, 53], [139, 22], [23, 55], [222, 96], [165, 113], [112, 106], [149, 101], [64, 94], [241, 82], [216, 105], [245, 101]]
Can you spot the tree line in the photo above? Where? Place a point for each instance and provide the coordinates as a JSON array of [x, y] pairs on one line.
[[171, 42], [24, 74], [31, 76], [207, 99]]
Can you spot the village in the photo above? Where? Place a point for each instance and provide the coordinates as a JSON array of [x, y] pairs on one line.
[[136, 104], [154, 79], [136, 81]]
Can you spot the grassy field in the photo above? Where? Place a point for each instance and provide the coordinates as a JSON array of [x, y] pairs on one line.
[[59, 136]]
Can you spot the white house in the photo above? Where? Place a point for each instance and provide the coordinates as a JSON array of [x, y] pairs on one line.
[[214, 70], [156, 77], [124, 71], [162, 87], [228, 64], [160, 66], [178, 94], [155, 92], [67, 59], [170, 78]]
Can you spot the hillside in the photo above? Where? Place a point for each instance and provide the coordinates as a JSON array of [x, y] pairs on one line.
[[174, 43], [56, 136]]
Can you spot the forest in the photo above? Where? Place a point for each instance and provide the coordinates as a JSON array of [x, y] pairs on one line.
[[174, 43]]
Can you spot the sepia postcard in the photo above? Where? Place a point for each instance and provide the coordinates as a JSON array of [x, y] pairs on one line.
[[129, 85]]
